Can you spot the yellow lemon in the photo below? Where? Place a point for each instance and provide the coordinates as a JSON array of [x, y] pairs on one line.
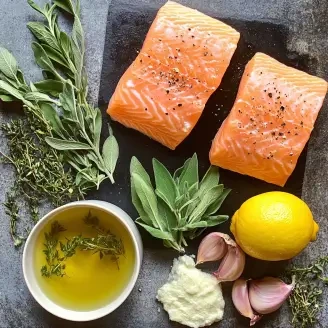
[[274, 226]]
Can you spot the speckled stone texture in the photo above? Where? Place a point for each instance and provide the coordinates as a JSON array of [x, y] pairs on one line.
[[307, 23]]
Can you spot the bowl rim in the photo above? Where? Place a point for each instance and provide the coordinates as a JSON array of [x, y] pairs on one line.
[[67, 314]]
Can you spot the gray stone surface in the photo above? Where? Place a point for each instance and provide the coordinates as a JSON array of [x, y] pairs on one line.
[[306, 20]]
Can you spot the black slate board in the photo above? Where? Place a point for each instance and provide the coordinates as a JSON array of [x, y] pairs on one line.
[[127, 27]]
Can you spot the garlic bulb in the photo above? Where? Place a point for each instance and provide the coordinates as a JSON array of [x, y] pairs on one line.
[[217, 245], [241, 301], [268, 294]]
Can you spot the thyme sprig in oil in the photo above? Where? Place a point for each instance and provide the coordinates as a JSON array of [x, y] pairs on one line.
[[57, 252]]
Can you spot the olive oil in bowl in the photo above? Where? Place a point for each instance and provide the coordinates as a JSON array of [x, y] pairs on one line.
[[95, 260]]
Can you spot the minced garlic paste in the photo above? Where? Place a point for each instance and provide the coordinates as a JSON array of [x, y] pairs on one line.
[[191, 297]]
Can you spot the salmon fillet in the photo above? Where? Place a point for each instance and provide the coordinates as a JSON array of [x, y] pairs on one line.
[[183, 59], [270, 122]]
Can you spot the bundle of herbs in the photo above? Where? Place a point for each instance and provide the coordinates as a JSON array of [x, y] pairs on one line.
[[180, 207], [55, 149], [306, 300]]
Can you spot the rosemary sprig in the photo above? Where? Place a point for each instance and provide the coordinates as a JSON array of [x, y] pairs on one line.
[[104, 244], [306, 300]]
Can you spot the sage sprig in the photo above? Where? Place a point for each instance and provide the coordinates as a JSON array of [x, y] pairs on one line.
[[74, 126], [180, 207], [60, 127]]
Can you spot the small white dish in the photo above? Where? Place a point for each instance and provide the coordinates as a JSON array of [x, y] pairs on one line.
[[30, 274]]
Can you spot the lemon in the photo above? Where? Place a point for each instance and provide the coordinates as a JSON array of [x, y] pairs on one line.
[[274, 226]]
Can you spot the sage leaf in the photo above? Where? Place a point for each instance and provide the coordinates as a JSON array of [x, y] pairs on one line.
[[11, 90], [35, 6], [52, 87], [189, 172], [60, 144], [97, 123], [210, 179], [7, 98], [164, 198], [137, 204], [65, 4], [33, 88], [77, 34], [157, 233], [8, 64], [148, 200], [205, 201], [78, 62], [214, 207], [137, 168], [67, 99], [65, 42], [164, 183], [44, 61], [55, 56], [50, 114], [93, 158], [38, 96], [43, 34], [110, 152], [20, 77], [215, 220], [167, 215], [177, 173]]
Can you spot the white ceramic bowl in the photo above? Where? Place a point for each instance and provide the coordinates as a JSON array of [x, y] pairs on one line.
[[29, 270]]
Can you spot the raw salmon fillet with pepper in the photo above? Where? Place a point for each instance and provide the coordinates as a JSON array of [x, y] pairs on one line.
[[270, 122], [183, 59]]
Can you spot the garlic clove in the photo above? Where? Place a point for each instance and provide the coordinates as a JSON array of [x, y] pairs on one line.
[[212, 248], [232, 265], [241, 301], [268, 294]]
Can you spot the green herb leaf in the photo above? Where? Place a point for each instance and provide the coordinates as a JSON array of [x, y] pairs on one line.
[[8, 64], [43, 34], [52, 117], [35, 6], [11, 91], [110, 153], [210, 180], [157, 233], [189, 172], [65, 5], [167, 215], [137, 168], [65, 42], [165, 185], [206, 200], [52, 87], [55, 56], [68, 102], [97, 127], [66, 144], [214, 207], [38, 96], [7, 98], [148, 200], [44, 61]]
